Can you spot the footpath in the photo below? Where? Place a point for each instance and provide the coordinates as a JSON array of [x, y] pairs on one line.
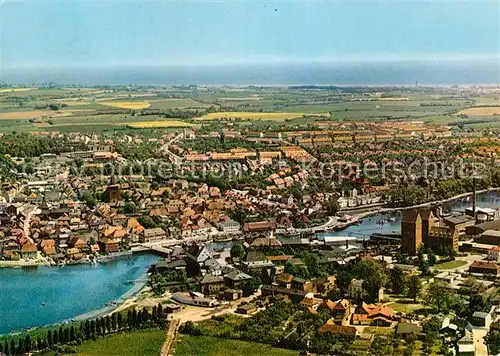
[[166, 349]]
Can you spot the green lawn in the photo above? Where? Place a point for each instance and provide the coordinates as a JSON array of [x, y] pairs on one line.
[[451, 264], [211, 346], [406, 307], [135, 343], [379, 330]]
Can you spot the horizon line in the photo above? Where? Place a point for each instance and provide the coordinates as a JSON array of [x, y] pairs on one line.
[[267, 60]]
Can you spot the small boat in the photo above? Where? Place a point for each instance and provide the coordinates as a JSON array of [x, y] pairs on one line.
[[43, 304], [392, 219]]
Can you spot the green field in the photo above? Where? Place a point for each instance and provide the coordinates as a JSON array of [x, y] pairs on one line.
[[406, 306], [144, 343], [211, 346], [254, 108], [451, 264]]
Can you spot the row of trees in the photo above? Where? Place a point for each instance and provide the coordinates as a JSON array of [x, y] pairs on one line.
[[139, 152], [64, 339], [28, 145]]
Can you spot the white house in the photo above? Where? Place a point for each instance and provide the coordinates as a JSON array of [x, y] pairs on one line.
[[229, 226]]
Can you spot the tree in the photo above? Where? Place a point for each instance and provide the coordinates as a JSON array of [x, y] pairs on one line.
[[49, 338], [431, 258], [86, 329], [129, 208], [145, 314], [438, 296], [119, 321], [12, 347], [55, 337], [98, 328], [471, 286], [374, 276], [381, 346], [397, 280], [27, 343], [89, 199], [113, 321], [333, 207], [134, 318], [311, 262], [237, 250], [414, 287], [250, 286], [478, 303], [40, 344], [160, 311], [20, 347], [129, 319], [300, 328], [72, 333], [190, 329], [147, 222], [493, 338], [92, 329], [431, 329]]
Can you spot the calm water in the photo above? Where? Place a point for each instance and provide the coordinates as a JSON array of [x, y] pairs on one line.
[[67, 291], [371, 225], [308, 72]]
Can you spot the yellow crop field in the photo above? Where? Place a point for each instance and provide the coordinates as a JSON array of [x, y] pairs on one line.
[[159, 124], [10, 90], [133, 105], [35, 114], [278, 116], [71, 112], [23, 115], [481, 111]]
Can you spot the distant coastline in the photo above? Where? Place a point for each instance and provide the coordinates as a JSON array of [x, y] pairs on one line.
[[403, 72]]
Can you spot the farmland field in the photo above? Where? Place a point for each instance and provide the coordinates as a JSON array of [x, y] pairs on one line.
[[133, 105], [20, 115], [14, 90], [278, 116], [98, 109], [211, 346], [177, 104], [481, 111], [243, 98], [160, 123]]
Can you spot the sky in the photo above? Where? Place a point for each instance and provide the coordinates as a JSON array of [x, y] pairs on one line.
[[68, 33], [44, 36]]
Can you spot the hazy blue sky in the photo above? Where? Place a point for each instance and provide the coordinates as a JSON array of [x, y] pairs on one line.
[[74, 33]]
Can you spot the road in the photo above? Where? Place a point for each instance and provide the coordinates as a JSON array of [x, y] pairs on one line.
[[27, 222], [479, 334], [169, 153]]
